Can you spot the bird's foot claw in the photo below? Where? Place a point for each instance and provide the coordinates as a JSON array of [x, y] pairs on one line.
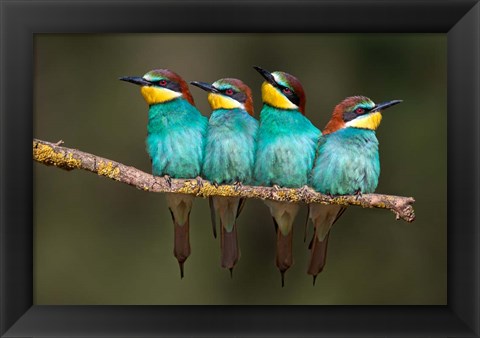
[[303, 191], [199, 182], [358, 194], [215, 183], [276, 187], [168, 179], [237, 185]]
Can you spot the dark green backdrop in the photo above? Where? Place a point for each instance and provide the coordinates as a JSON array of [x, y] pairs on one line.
[[100, 242]]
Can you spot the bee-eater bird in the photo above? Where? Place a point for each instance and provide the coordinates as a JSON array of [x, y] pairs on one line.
[[285, 152], [175, 143], [347, 163], [229, 155]]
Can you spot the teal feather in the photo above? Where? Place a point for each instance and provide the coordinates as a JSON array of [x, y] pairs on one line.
[[175, 141], [286, 148], [230, 146], [347, 162]]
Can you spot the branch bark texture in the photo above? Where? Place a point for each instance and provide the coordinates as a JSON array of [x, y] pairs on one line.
[[67, 158]]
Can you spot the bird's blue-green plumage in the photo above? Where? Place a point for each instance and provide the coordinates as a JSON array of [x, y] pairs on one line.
[[230, 146], [347, 161], [175, 141], [286, 148]]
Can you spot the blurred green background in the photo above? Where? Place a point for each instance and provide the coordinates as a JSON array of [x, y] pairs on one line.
[[100, 242]]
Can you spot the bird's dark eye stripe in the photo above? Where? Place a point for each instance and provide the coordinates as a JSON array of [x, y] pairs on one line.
[[240, 97], [172, 85], [157, 82], [362, 110], [236, 95], [228, 89], [350, 115], [291, 95]]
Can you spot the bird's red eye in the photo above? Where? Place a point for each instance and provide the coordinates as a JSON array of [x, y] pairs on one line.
[[359, 110], [287, 90], [162, 82], [229, 92]]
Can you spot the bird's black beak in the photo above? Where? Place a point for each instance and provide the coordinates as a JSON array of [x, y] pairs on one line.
[[267, 75], [384, 105], [136, 80], [205, 86]]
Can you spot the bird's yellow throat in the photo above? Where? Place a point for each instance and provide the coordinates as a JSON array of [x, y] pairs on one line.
[[155, 95], [369, 121], [218, 101], [273, 97]]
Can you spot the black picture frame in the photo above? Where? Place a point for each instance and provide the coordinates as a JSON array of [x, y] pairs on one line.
[[20, 20]]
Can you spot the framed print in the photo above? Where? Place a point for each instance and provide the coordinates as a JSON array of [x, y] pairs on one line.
[[86, 257]]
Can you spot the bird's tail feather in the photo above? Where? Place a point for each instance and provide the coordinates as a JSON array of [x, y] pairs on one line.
[[305, 230], [323, 217], [228, 209], [284, 256], [180, 206], [283, 215], [318, 256], [213, 216], [181, 248], [229, 247], [241, 204]]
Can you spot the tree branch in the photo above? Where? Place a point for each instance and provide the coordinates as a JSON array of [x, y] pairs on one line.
[[69, 159]]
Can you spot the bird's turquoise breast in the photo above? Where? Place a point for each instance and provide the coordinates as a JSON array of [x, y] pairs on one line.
[[230, 146], [285, 149], [347, 161], [175, 141]]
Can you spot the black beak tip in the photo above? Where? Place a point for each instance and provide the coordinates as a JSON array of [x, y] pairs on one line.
[[198, 84], [140, 81], [205, 86], [261, 70], [395, 102], [385, 105], [266, 74]]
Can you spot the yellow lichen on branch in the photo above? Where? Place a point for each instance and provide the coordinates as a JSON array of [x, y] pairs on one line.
[[47, 155], [67, 158], [108, 170]]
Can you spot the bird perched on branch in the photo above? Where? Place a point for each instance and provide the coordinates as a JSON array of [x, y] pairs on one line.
[[285, 152], [175, 143], [347, 163], [229, 155]]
